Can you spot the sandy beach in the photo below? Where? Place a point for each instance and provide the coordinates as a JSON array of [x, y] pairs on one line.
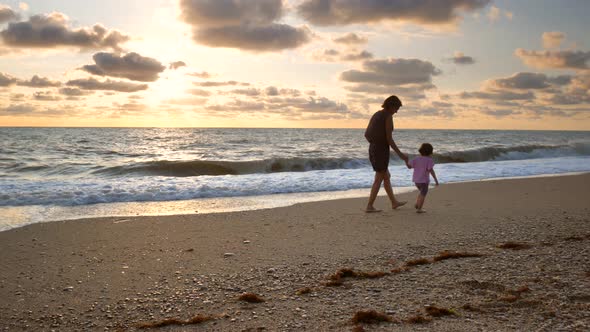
[[517, 259]]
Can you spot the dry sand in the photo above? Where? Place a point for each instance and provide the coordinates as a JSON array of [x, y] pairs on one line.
[[116, 273]]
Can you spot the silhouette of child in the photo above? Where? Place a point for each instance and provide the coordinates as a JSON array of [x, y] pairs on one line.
[[423, 167]]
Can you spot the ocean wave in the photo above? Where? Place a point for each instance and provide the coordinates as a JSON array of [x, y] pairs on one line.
[[513, 153], [206, 167]]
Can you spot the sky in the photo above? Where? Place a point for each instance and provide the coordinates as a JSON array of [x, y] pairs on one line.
[[455, 64]]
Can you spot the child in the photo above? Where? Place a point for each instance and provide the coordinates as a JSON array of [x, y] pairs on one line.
[[422, 166]]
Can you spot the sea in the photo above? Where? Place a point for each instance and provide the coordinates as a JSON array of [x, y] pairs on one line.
[[51, 174]]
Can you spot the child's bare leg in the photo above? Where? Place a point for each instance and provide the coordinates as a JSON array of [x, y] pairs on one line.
[[420, 203], [389, 190]]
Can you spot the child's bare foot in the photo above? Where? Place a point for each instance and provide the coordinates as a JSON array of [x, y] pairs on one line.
[[397, 204], [372, 210], [420, 211]]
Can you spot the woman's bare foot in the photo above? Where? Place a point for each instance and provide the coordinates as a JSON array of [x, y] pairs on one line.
[[397, 204], [372, 210]]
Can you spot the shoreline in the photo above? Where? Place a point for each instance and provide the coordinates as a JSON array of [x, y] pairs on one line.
[[114, 274], [211, 205]]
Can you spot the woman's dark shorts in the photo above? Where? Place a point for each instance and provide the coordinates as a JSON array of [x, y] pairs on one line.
[[423, 188], [379, 156]]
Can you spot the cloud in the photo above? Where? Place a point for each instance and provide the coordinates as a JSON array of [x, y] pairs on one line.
[[203, 74], [243, 24], [45, 96], [7, 80], [73, 92], [200, 92], [108, 85], [177, 64], [39, 82], [17, 110], [554, 59], [553, 39], [23, 6], [7, 14], [131, 66], [499, 113], [461, 59], [411, 91], [392, 72], [528, 81], [52, 30], [217, 84], [498, 95], [351, 38], [17, 97], [344, 12], [332, 55], [494, 14], [245, 92], [231, 12], [272, 37]]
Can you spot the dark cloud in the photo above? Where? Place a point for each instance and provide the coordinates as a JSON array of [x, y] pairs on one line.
[[500, 113], [177, 64], [39, 82], [73, 92], [7, 80], [17, 97], [45, 96], [52, 30], [7, 14], [108, 85], [526, 81], [203, 74], [461, 59], [217, 84], [272, 37], [230, 12], [498, 95], [246, 92], [131, 66], [392, 72], [244, 24], [332, 55], [360, 56], [343, 12], [271, 91], [554, 59], [351, 39], [17, 110]]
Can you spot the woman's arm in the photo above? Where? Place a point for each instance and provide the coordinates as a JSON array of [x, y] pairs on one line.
[[389, 133]]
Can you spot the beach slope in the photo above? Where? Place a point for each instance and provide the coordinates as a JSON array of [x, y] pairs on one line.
[[493, 255]]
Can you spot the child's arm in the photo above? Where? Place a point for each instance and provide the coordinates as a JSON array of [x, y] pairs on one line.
[[408, 165], [434, 176]]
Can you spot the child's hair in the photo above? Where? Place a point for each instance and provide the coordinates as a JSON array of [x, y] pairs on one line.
[[426, 149]]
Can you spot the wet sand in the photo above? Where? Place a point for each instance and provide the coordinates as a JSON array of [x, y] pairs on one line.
[[117, 273]]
